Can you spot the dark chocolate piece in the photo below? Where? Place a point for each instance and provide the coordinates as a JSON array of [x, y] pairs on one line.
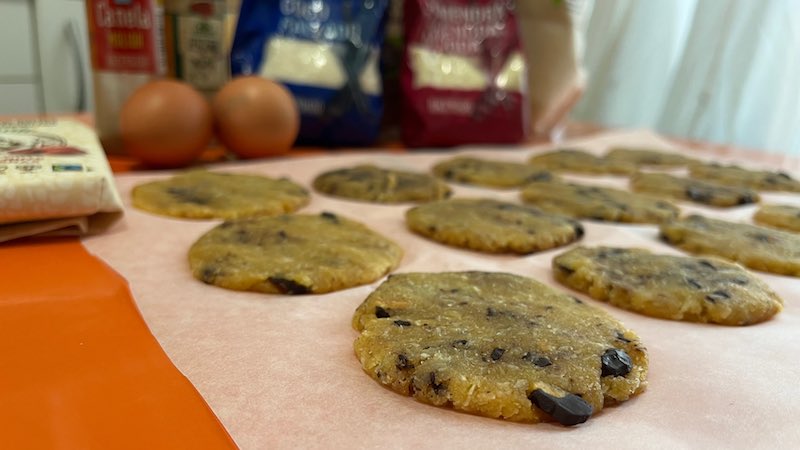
[[568, 410], [402, 323], [497, 353], [615, 362], [381, 313], [287, 286]]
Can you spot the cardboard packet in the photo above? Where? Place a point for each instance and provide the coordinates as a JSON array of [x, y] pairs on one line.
[[54, 180]]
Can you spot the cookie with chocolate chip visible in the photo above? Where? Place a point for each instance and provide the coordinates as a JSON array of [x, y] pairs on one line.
[[756, 247], [579, 161], [492, 226], [598, 203], [199, 194], [497, 345], [646, 157], [697, 191], [670, 287], [764, 180], [378, 185], [785, 217], [489, 173], [292, 254]]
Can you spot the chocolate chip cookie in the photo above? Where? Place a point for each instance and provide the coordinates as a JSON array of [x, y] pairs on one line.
[[488, 173], [763, 180], [497, 345], [644, 157], [598, 203], [492, 226], [704, 192], [200, 194], [779, 216], [753, 246], [292, 254], [374, 184], [579, 161], [669, 287]]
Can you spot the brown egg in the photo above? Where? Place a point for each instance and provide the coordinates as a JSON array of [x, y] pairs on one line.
[[166, 123], [256, 117]]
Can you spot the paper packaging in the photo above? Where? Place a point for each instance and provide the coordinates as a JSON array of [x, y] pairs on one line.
[[54, 180]]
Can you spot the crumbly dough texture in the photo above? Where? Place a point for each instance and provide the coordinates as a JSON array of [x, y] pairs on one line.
[[292, 254], [579, 161], [756, 247], [374, 184], [763, 180], [704, 192], [495, 344], [779, 216], [199, 194], [488, 173], [598, 203], [644, 157], [670, 287], [492, 226]]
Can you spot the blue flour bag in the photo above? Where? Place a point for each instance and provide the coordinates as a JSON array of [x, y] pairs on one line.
[[327, 53]]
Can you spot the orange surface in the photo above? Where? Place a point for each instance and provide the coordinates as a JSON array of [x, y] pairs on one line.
[[79, 367]]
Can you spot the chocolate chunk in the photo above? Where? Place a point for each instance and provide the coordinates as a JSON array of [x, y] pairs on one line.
[[621, 337], [403, 363], [707, 264], [330, 216], [287, 286], [693, 283], [747, 198], [579, 232], [537, 360], [209, 274], [460, 343], [567, 410], [540, 176], [497, 353], [187, 195], [438, 388], [402, 323], [716, 296], [615, 362], [567, 269], [698, 194], [381, 313]]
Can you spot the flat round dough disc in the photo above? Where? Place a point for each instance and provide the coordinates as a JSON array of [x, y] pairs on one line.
[[497, 345], [292, 254], [199, 194]]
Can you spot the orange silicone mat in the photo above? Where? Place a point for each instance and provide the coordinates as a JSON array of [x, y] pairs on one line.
[[79, 368]]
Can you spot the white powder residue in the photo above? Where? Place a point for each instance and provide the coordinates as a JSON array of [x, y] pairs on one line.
[[448, 71], [314, 64]]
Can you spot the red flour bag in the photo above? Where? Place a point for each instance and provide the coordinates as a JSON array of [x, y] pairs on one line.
[[464, 74]]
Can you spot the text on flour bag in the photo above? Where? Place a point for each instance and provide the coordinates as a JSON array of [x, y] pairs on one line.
[[464, 73]]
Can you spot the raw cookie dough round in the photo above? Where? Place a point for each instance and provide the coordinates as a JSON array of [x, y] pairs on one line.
[[489, 173], [758, 248], [373, 184], [644, 157], [598, 203], [736, 176], [579, 161], [669, 287], [779, 216], [292, 254], [199, 194], [703, 192], [492, 226], [497, 345]]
